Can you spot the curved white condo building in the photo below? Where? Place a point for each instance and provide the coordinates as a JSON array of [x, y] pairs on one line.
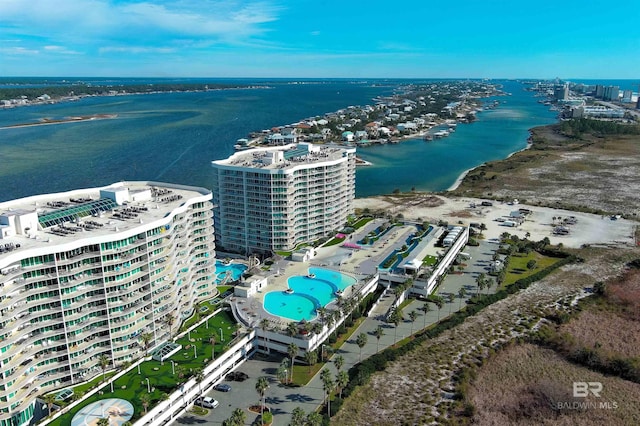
[[85, 273], [274, 198]]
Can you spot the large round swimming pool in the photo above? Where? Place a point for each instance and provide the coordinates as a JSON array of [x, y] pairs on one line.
[[310, 292]]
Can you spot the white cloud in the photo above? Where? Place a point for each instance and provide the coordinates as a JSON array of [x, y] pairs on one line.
[[136, 49], [18, 51], [138, 20]]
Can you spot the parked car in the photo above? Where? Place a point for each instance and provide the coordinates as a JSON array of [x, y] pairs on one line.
[[241, 377], [222, 387], [237, 376], [206, 402]]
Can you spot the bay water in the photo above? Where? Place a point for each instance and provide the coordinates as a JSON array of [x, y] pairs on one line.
[[173, 137]]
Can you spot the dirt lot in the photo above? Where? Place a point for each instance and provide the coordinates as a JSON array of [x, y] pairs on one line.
[[589, 229]]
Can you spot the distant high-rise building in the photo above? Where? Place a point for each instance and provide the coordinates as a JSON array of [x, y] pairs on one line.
[[271, 199], [599, 91], [626, 96], [561, 92], [83, 274], [611, 93]]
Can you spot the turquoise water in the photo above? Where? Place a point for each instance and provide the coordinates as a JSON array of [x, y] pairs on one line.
[[236, 270], [435, 166], [308, 294]]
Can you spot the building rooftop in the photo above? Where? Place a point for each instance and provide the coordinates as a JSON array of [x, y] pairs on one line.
[[286, 156], [94, 213]]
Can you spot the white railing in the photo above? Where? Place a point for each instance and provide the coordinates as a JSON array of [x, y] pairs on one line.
[[167, 411]]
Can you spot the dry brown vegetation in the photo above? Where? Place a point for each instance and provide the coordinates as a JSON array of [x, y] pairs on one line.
[[611, 324], [419, 387], [592, 173], [522, 383]]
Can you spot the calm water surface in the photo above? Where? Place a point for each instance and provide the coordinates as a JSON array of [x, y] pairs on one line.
[[173, 137]]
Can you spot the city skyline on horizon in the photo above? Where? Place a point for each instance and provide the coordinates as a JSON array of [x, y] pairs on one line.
[[276, 39]]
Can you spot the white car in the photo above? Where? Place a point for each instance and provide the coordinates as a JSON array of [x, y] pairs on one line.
[[206, 402]]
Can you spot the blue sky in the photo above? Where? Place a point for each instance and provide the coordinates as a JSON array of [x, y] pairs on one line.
[[326, 38]]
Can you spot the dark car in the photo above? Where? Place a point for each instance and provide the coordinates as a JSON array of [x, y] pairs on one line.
[[238, 376], [241, 377], [222, 387]]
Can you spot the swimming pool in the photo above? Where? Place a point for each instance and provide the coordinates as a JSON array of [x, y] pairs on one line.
[[228, 273], [310, 292]]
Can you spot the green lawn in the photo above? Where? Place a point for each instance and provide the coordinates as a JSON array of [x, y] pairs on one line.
[[334, 241], [361, 222], [429, 260], [160, 375], [517, 267]]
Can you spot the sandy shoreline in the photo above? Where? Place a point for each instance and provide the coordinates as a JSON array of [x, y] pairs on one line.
[[464, 174]]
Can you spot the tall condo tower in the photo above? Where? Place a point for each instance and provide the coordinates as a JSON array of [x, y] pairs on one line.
[[275, 198], [85, 273]]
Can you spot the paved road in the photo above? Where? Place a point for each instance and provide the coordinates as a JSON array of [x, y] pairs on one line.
[[282, 400]]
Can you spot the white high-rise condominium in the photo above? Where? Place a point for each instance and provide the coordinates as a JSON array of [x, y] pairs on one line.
[[274, 198], [86, 273]]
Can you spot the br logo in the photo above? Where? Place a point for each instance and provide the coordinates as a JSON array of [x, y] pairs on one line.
[[583, 389]]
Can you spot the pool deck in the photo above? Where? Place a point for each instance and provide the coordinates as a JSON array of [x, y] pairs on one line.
[[358, 263]]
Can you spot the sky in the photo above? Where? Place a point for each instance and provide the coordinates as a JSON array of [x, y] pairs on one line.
[[588, 39]]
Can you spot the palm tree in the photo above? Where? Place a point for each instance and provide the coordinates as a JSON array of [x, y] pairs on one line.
[[261, 387], [489, 283], [146, 339], [50, 400], [342, 379], [450, 298], [338, 361], [264, 324], [379, 332], [212, 340], [322, 312], [281, 373], [480, 280], [412, 316], [104, 421], [439, 301], [328, 386], [314, 419], [103, 362], [461, 293], [199, 376], [145, 400], [238, 417], [298, 417], [396, 319], [317, 328], [169, 320], [361, 341], [311, 357], [292, 329], [425, 308], [292, 350]]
